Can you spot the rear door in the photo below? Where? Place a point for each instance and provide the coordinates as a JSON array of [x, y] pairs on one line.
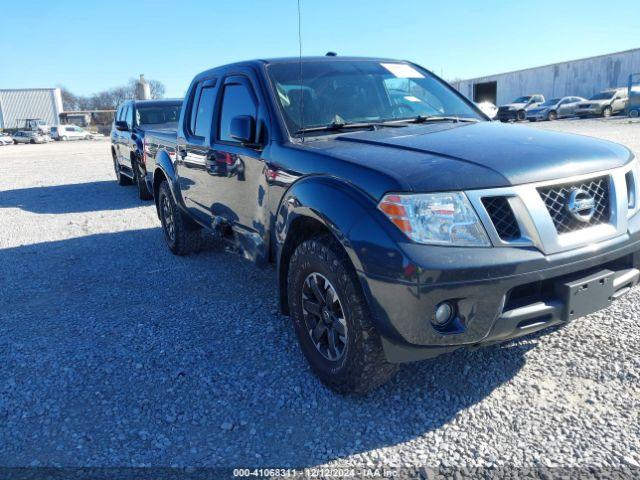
[[192, 149], [564, 107], [569, 107]]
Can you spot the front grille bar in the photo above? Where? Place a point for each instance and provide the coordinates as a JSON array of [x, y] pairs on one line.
[[538, 210]]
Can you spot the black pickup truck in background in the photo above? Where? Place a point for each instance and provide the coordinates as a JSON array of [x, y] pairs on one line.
[[403, 223], [130, 122]]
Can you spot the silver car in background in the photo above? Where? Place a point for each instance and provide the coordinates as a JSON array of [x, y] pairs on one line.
[[554, 108], [604, 104], [25, 136]]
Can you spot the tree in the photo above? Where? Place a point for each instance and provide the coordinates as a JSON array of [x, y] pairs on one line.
[[157, 89], [108, 99], [69, 100]]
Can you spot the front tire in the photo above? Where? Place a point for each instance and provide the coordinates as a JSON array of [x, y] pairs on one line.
[[180, 239], [521, 116], [143, 190], [606, 112], [332, 319], [552, 115], [122, 180]]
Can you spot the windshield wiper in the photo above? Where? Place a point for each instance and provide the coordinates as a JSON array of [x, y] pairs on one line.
[[340, 126], [437, 118]]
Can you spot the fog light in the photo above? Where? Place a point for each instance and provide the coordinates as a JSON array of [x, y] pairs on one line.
[[443, 315]]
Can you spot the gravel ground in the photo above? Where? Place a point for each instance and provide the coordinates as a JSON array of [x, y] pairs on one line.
[[116, 353]]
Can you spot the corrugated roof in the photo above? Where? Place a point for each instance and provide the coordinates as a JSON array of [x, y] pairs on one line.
[[631, 50], [18, 104]]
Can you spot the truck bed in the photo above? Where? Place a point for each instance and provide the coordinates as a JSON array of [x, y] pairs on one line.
[[156, 140]]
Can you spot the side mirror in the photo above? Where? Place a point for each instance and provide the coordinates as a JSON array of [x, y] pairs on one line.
[[243, 129], [122, 126]]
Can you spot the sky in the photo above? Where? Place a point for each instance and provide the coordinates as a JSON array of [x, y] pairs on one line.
[[91, 46]]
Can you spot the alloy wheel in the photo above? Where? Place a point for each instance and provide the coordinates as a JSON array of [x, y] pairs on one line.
[[324, 316], [167, 216], [116, 169]]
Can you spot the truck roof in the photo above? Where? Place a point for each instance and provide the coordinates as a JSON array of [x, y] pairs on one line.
[[157, 102], [323, 58], [326, 58]]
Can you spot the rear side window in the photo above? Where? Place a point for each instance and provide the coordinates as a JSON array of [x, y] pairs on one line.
[[237, 100], [204, 113], [129, 116]]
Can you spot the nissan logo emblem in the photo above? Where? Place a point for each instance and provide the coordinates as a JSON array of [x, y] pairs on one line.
[[581, 205]]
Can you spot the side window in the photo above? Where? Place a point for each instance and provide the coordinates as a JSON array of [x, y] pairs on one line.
[[129, 116], [204, 112], [194, 110], [237, 100], [118, 113]]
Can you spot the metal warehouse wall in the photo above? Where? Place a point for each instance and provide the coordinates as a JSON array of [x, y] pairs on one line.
[[582, 77], [16, 104]]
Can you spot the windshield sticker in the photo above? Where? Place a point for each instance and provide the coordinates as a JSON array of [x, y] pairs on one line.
[[402, 70], [411, 98]]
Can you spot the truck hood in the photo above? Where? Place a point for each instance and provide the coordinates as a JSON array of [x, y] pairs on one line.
[[463, 156], [513, 105]]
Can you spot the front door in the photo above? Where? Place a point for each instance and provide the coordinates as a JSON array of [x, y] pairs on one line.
[[619, 102], [125, 146], [236, 172]]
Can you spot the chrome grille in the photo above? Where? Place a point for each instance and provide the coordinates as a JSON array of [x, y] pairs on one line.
[[555, 198], [502, 217]]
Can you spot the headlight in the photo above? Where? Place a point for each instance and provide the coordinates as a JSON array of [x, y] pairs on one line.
[[436, 218]]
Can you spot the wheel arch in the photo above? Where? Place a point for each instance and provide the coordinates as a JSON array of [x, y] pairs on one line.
[[164, 171], [312, 206]]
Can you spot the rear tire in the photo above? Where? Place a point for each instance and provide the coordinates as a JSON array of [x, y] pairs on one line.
[[180, 239], [349, 363], [143, 190]]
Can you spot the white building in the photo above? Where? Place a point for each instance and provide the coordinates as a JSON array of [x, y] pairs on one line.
[[19, 104], [581, 78]]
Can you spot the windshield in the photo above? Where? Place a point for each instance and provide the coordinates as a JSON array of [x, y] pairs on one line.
[[165, 116], [360, 91], [550, 103], [521, 100], [602, 96]]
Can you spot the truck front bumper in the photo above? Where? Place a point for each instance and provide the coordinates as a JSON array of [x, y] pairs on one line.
[[507, 115], [497, 293]]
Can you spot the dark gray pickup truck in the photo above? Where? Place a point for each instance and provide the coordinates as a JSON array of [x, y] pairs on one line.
[[403, 224]]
